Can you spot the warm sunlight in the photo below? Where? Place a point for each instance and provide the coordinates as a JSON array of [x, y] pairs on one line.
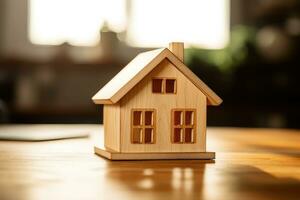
[[200, 23], [78, 22], [152, 23]]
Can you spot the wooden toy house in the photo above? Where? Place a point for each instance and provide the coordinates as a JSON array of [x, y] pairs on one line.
[[155, 108]]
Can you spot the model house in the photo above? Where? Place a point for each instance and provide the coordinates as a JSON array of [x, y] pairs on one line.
[[155, 108]]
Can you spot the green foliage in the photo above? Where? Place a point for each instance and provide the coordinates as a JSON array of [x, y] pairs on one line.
[[231, 56]]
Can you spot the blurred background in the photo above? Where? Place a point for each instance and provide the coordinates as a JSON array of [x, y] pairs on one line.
[[56, 54]]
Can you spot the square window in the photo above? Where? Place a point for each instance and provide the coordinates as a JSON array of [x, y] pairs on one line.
[[170, 86], [148, 135], [177, 135], [137, 118], [189, 117], [148, 118], [137, 135], [157, 85], [177, 117], [188, 135]]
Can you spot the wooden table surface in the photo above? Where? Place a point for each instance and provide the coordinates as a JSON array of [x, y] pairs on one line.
[[250, 164]]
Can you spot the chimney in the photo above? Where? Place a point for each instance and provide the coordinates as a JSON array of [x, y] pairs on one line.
[[177, 48]]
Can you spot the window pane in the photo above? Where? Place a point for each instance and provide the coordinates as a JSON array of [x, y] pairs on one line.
[[157, 85], [170, 85], [148, 117], [137, 118], [148, 135], [189, 117], [137, 135], [177, 117], [188, 135], [177, 135]]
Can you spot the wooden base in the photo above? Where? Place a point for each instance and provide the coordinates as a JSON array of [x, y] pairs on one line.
[[112, 155]]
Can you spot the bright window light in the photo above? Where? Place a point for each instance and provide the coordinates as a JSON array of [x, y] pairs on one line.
[[199, 23], [151, 23], [78, 22]]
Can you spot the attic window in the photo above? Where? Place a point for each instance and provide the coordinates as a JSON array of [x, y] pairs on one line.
[[164, 85], [157, 85], [170, 85]]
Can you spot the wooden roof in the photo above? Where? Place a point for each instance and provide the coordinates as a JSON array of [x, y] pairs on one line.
[[138, 68]]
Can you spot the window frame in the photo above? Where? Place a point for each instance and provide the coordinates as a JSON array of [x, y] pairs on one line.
[[143, 125], [183, 126], [155, 85], [164, 85]]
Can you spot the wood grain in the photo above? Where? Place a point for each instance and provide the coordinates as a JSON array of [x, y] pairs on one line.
[[113, 155], [250, 164], [112, 126], [140, 67], [131, 74], [177, 48], [140, 97]]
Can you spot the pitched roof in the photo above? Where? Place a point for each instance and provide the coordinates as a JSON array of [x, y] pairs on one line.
[[138, 68]]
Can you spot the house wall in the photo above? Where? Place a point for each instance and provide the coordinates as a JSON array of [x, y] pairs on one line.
[[141, 96], [111, 121]]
